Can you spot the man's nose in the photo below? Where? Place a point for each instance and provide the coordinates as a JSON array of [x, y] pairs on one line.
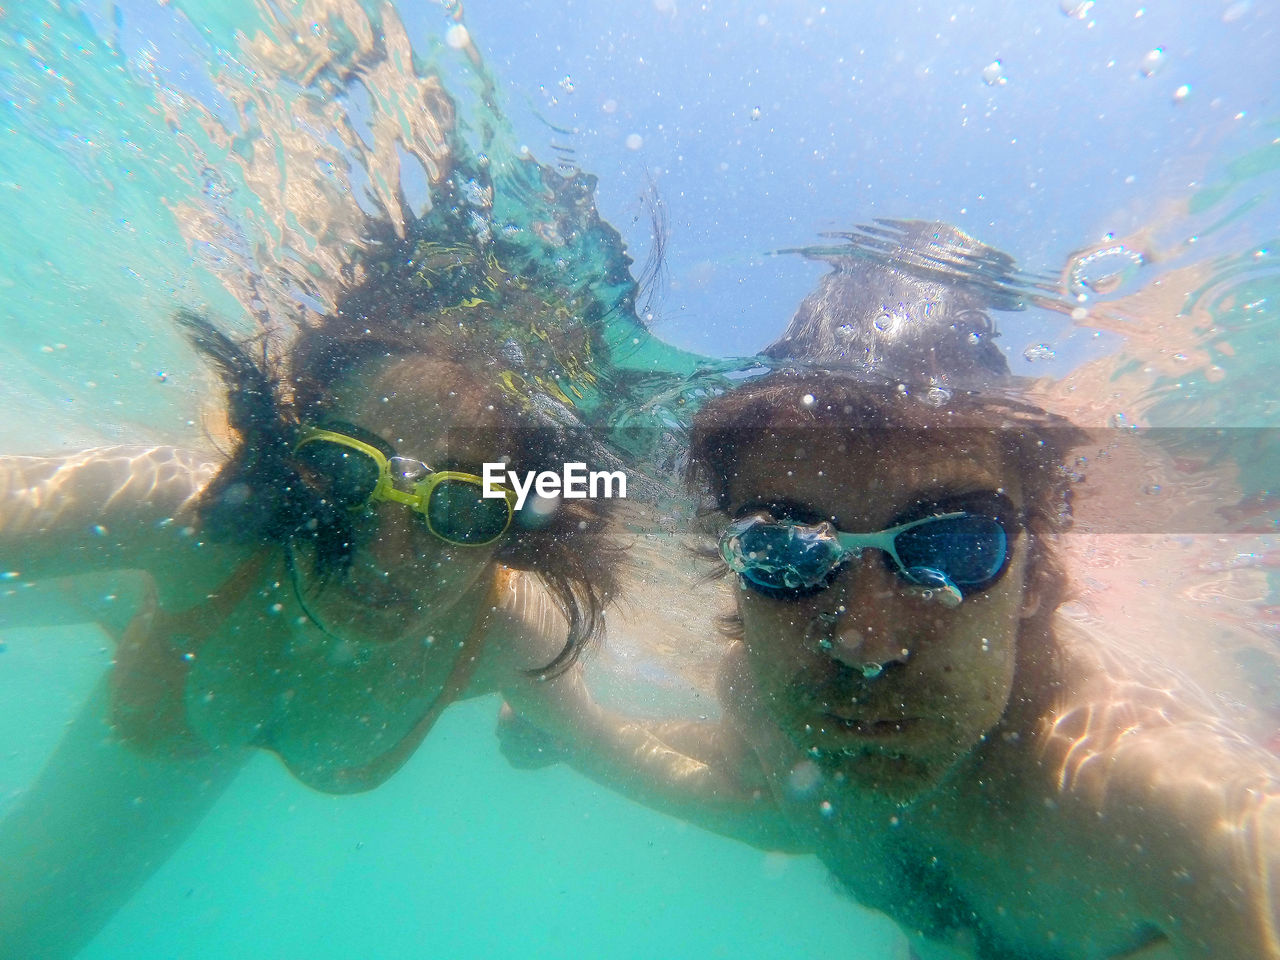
[[866, 635]]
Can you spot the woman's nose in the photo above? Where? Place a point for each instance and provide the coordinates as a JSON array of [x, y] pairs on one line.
[[866, 634]]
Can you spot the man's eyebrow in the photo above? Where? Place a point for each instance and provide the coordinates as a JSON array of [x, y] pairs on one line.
[[947, 497], [946, 490], [783, 508]]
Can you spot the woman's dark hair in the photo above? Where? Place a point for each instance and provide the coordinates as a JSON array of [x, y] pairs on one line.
[[259, 496], [1035, 442]]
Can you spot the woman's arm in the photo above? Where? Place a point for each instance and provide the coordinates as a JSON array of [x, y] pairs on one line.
[[100, 509], [696, 771], [110, 599], [95, 536]]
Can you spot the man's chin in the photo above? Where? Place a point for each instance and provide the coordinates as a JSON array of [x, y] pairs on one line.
[[882, 773], [899, 778]]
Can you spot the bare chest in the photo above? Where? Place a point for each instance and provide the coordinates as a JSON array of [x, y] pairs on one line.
[[994, 879]]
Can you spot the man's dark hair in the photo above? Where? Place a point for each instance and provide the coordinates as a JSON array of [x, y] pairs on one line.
[[1035, 442]]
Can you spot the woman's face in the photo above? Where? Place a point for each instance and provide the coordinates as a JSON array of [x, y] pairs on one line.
[[404, 579], [880, 683]]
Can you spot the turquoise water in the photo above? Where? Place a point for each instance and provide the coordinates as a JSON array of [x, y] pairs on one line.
[[758, 126], [457, 856]]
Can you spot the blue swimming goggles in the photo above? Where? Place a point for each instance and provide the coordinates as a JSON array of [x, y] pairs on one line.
[[961, 546]]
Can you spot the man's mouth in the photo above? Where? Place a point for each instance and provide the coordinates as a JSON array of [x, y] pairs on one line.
[[872, 728]]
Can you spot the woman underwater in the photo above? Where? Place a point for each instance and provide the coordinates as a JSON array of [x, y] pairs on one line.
[[336, 583], [903, 696], [323, 594]]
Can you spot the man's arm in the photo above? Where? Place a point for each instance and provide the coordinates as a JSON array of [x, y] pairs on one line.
[[698, 771], [1205, 807]]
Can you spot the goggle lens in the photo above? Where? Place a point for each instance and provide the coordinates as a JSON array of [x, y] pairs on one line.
[[457, 511], [969, 550], [780, 556], [341, 475]]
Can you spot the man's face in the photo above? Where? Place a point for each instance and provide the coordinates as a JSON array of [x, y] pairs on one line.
[[882, 681]]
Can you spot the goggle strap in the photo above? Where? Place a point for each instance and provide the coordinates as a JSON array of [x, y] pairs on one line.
[[886, 540]]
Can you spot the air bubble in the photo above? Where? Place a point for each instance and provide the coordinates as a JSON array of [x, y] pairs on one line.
[[543, 507], [1104, 271], [804, 776], [936, 587], [457, 37], [1236, 11], [993, 74], [1152, 62], [1076, 9], [1037, 352], [937, 396]]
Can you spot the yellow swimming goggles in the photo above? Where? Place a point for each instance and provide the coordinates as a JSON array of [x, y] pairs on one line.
[[356, 473]]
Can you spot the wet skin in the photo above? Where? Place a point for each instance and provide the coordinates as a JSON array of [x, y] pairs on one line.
[[872, 677], [930, 788]]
